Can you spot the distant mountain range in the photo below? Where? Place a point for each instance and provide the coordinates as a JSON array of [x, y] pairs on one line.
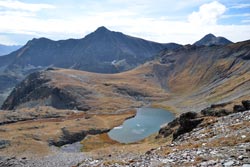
[[102, 51], [6, 49], [210, 39]]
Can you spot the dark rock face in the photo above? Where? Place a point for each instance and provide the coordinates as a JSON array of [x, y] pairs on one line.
[[35, 90], [239, 108], [22, 92], [68, 138], [246, 104], [188, 121], [183, 124], [169, 129], [66, 99], [72, 137], [210, 39], [210, 111], [165, 132]]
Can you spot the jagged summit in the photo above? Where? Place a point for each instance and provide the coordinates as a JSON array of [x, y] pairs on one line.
[[211, 39], [101, 29], [39, 41], [210, 35], [101, 33]]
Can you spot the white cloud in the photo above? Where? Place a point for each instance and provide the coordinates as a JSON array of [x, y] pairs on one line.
[[6, 40], [245, 21], [208, 14], [240, 6], [17, 5], [236, 15], [17, 13], [132, 22]]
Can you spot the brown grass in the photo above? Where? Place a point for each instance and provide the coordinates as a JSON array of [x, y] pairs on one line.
[[30, 138]]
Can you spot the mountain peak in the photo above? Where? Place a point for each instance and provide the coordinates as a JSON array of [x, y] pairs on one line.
[[209, 36], [102, 29], [211, 39]]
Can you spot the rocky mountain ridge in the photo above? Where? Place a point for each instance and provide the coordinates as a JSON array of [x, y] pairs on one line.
[[210, 39], [99, 51]]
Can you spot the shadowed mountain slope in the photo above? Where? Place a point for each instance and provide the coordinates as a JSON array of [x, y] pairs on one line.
[[102, 51]]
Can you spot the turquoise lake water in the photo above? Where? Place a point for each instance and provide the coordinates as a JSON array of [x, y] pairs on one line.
[[146, 122]]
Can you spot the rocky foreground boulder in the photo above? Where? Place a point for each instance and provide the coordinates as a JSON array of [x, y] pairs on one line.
[[186, 122]]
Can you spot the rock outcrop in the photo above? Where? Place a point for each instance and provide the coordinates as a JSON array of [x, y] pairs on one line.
[[68, 137], [186, 122], [36, 90], [246, 104]]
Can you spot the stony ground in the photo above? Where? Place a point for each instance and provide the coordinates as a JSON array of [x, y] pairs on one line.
[[58, 159], [224, 141]]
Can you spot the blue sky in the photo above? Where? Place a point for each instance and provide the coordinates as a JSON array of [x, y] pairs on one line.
[[181, 21]]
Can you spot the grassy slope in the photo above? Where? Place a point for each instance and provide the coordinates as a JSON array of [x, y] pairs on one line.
[[30, 138]]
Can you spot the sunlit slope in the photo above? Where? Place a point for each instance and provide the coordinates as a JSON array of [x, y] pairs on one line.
[[188, 78]]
